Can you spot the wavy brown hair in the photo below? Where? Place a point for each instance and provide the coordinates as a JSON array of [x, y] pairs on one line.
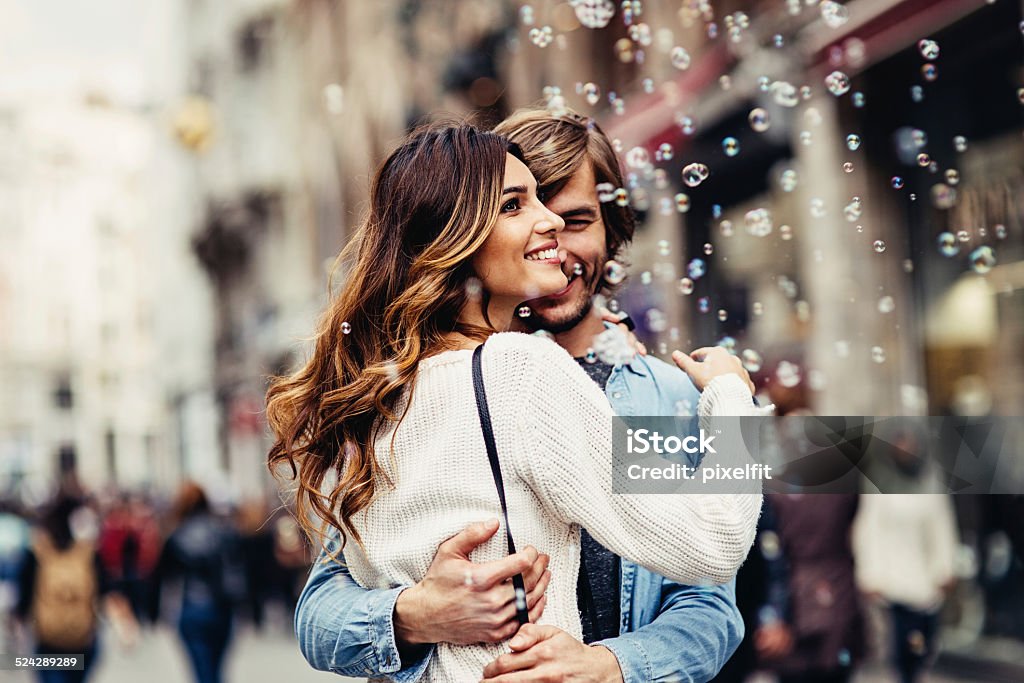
[[433, 203]]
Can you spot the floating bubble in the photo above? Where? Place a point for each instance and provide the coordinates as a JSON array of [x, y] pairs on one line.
[[897, 182], [848, 167], [1020, 95], [853, 210], [923, 160], [473, 289], [929, 49], [605, 192], [524, 312], [725, 81], [577, 269], [778, 40], [526, 15], [664, 247], [963, 236], [624, 50], [788, 374], [805, 137], [757, 308], [764, 84], [858, 99], [682, 202], [852, 142], [542, 37], [590, 357], [656, 320], [785, 232], [680, 58], [703, 304], [983, 259], [843, 348], [758, 222], [346, 327], [685, 286], [621, 197], [591, 93], [886, 304], [648, 85], [694, 174], [709, 248], [878, 246], [557, 106], [817, 206], [687, 125], [916, 93], [788, 180], [948, 245], [943, 196], [594, 13], [638, 158], [952, 176], [613, 347], [785, 94], [640, 34], [614, 272], [918, 137], [665, 152], [640, 199], [837, 83], [731, 146], [759, 120], [1000, 231], [660, 178], [878, 354], [960, 143], [752, 360], [723, 315], [833, 14], [929, 72], [696, 269]]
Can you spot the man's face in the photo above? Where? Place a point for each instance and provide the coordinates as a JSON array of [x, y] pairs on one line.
[[584, 240]]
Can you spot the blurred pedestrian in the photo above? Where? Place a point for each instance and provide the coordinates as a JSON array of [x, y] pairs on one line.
[[14, 549], [812, 630], [61, 582], [203, 553]]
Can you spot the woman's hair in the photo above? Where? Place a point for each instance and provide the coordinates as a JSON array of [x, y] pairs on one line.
[[433, 203], [555, 147]]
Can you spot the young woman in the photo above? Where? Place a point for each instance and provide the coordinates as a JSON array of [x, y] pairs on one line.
[[380, 427]]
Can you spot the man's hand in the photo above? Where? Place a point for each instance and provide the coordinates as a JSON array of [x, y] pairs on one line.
[[706, 363], [616, 319], [550, 655], [462, 602], [773, 641]]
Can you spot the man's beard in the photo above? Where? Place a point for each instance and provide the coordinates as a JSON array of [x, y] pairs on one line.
[[538, 320]]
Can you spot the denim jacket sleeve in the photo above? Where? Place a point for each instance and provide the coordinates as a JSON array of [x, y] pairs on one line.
[[694, 634], [347, 629]]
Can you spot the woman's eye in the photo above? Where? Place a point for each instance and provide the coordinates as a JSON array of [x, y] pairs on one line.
[[510, 205]]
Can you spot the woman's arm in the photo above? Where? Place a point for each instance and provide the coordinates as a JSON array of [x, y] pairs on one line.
[[565, 454]]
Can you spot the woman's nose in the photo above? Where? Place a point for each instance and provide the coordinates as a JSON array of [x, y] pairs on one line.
[[549, 221]]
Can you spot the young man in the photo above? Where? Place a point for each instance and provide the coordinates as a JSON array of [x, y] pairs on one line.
[[639, 626]]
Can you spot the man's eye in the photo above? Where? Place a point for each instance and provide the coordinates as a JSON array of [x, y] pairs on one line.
[[510, 205], [576, 225]]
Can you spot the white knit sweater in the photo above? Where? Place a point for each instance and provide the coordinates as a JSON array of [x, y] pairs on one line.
[[553, 430]]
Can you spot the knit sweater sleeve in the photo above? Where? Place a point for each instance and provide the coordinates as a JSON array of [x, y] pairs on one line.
[[565, 427]]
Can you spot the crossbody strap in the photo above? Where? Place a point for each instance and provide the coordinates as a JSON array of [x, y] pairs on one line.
[[522, 614]]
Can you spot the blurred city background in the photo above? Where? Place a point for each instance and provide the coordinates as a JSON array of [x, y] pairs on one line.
[[177, 176]]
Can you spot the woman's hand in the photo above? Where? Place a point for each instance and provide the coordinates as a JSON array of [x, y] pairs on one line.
[[708, 362]]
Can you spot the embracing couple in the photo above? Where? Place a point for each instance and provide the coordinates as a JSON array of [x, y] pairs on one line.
[[384, 431]]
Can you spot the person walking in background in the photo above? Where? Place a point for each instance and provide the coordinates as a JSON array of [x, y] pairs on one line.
[[60, 585], [203, 553], [812, 630]]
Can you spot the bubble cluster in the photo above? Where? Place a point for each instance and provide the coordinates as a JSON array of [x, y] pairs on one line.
[[640, 34], [638, 157], [695, 173], [758, 222], [542, 37], [594, 13]]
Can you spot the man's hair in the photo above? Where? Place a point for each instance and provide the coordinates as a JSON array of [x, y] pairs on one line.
[[555, 147]]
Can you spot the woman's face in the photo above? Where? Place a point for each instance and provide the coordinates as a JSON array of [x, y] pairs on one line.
[[521, 258]]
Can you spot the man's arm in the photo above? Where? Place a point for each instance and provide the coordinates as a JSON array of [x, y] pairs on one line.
[[354, 631], [691, 639]]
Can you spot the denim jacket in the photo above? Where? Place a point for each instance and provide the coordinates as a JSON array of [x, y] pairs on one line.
[[668, 631]]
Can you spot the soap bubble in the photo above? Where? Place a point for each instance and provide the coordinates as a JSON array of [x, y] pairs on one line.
[[788, 374], [923, 160], [943, 196], [614, 272], [524, 312], [929, 72], [916, 93], [696, 269], [526, 15], [960, 143], [759, 222], [637, 158], [346, 327], [759, 120], [723, 315], [886, 304], [952, 176], [785, 94], [685, 286], [682, 202], [878, 246], [665, 152], [709, 248], [897, 182], [833, 14], [848, 167], [621, 197], [852, 142], [725, 227], [694, 174], [542, 37], [948, 245], [731, 146], [605, 192], [680, 58], [858, 99], [788, 180], [983, 259], [817, 206], [591, 93], [664, 248], [837, 83], [640, 34], [878, 354], [929, 49], [656, 320]]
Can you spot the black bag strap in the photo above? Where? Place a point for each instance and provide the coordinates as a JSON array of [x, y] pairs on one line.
[[522, 614]]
